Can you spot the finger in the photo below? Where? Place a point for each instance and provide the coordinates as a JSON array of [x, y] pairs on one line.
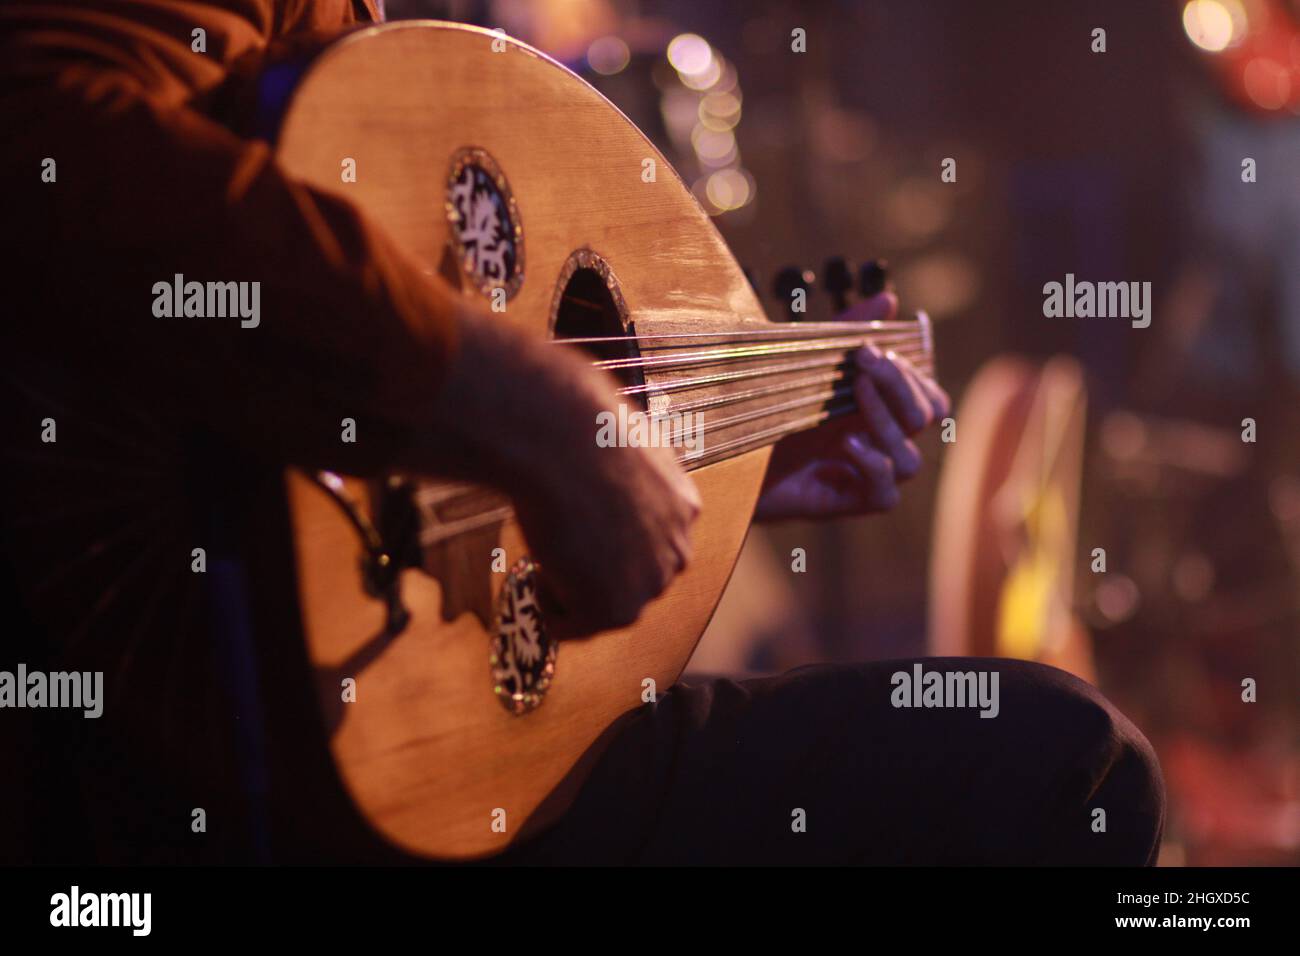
[[933, 392], [885, 432], [822, 488], [576, 613], [877, 469], [682, 552], [563, 624], [837, 488], [902, 395], [692, 494], [879, 308], [550, 602]]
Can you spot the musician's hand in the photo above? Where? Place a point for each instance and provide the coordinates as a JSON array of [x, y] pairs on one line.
[[612, 535], [609, 526], [854, 465]]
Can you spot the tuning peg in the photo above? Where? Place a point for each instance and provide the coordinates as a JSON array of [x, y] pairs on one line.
[[837, 280], [786, 282], [873, 278]]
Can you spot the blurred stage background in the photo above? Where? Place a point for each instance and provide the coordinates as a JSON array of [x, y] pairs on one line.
[[1085, 433]]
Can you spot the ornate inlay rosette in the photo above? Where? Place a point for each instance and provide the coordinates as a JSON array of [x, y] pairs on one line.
[[523, 654], [487, 234]]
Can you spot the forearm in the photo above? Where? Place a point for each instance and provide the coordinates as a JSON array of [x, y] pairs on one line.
[[512, 408]]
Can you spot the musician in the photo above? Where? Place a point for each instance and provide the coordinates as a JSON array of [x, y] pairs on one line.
[[144, 185]]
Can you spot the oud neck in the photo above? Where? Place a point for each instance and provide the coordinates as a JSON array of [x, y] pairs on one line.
[[714, 396]]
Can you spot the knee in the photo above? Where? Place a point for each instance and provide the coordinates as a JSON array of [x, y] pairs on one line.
[[1111, 766]]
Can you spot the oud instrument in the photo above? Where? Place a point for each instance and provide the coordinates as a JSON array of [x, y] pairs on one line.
[[433, 693]]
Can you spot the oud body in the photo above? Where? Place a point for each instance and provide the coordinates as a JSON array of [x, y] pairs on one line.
[[602, 242]]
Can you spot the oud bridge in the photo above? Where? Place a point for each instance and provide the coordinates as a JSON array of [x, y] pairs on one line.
[[452, 532]]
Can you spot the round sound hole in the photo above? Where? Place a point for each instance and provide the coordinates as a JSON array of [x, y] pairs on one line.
[[523, 653], [485, 227], [589, 306]]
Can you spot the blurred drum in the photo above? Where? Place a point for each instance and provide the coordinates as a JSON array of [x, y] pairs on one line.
[[1006, 527]]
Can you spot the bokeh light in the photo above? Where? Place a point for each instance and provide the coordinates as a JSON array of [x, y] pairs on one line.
[[719, 111], [729, 189], [713, 147], [1267, 83], [690, 54], [1214, 25], [608, 55]]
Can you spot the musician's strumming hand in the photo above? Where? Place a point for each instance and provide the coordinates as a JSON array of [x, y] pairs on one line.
[[854, 464], [609, 526]]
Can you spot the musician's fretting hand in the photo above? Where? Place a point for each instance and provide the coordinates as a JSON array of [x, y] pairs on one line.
[[854, 465]]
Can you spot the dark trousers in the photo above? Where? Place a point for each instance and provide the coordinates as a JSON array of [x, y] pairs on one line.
[[815, 766], [717, 772]]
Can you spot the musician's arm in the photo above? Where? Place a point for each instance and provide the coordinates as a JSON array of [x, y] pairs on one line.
[[142, 191]]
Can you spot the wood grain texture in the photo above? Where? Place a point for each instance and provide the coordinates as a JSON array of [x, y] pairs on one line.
[[427, 752]]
